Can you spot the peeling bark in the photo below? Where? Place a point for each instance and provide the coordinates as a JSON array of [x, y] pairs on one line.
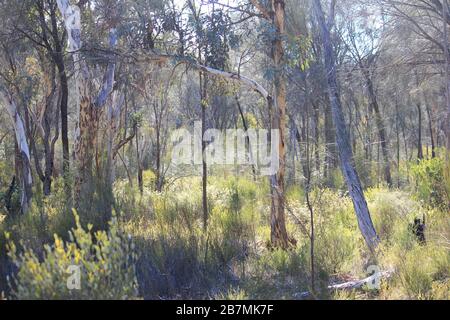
[[26, 178], [279, 236], [88, 106]]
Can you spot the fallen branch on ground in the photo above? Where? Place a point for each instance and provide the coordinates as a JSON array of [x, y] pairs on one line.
[[352, 285]]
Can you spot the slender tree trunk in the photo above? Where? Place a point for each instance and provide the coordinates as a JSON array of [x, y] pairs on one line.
[[64, 121], [381, 130], [397, 131], [247, 138], [445, 40], [140, 176], [59, 61], [419, 134], [345, 150], [203, 105], [431, 128]]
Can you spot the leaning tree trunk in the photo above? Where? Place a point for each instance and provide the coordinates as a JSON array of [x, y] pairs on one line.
[[342, 137], [21, 138]]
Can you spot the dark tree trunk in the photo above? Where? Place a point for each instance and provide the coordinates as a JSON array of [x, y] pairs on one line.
[[203, 102], [431, 128], [139, 166], [247, 138], [397, 131], [381, 130], [58, 58]]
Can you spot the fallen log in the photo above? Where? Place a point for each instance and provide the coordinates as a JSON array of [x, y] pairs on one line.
[[353, 285]]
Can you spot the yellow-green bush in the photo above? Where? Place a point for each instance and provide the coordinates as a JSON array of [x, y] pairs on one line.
[[231, 260], [432, 182], [105, 260], [390, 209]]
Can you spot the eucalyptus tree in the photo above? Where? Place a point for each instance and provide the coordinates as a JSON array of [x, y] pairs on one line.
[[37, 24], [14, 97], [90, 99]]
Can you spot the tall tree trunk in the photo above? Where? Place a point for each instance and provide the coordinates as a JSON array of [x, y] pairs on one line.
[[445, 40], [63, 106], [380, 127], [345, 150], [140, 175], [430, 127], [397, 131], [84, 141], [419, 134], [158, 181], [203, 105], [58, 58], [279, 236], [23, 150], [88, 105]]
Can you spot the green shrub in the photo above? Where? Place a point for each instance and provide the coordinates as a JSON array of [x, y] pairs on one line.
[[106, 262], [432, 182], [420, 269], [232, 295], [390, 209]]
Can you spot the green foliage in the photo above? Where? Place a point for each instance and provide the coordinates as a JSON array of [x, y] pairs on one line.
[[432, 182], [106, 261], [233, 295], [178, 259], [176, 252], [337, 235], [421, 273], [390, 210]]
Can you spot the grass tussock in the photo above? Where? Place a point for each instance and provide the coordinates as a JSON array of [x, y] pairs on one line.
[[171, 256]]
